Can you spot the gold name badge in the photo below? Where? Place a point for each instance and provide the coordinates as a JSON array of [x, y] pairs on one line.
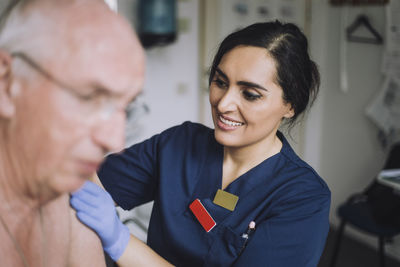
[[226, 200]]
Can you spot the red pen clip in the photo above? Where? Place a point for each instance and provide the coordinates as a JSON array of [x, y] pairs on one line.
[[202, 215]]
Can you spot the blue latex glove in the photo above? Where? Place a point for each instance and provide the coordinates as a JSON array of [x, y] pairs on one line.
[[96, 209]]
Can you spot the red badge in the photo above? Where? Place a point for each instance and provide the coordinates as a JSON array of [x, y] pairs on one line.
[[202, 215]]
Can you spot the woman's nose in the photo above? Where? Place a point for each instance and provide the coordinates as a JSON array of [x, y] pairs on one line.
[[228, 101]]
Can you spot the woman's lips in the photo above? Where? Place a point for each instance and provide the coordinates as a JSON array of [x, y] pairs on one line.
[[226, 123]]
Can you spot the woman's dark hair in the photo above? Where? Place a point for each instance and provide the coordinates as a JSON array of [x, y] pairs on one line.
[[297, 74]]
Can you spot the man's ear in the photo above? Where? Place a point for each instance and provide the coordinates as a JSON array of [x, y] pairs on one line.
[[7, 105]]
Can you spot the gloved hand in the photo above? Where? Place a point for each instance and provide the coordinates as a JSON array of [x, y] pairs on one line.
[[96, 209]]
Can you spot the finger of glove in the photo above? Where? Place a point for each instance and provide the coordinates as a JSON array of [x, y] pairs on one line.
[[107, 230], [92, 193], [88, 198], [89, 187], [82, 206]]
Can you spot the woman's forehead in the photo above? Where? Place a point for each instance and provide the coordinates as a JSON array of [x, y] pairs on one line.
[[248, 61]]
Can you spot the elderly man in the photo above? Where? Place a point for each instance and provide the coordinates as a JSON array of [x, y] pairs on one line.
[[68, 69]]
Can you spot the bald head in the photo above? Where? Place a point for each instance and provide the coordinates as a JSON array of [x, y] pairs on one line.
[[54, 28], [65, 33]]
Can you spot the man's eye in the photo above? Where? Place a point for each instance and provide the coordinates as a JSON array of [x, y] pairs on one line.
[[93, 97], [250, 96], [87, 98]]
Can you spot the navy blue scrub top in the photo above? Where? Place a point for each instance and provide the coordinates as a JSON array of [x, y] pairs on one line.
[[284, 196]]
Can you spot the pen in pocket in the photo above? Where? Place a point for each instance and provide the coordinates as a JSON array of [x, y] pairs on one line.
[[246, 235]]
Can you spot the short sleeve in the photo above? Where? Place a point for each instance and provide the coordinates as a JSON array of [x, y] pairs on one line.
[[130, 176], [133, 177]]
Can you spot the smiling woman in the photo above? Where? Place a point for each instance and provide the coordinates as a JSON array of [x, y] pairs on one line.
[[236, 195], [247, 103], [290, 68]]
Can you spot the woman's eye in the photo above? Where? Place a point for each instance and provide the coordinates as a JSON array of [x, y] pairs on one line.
[[220, 83], [251, 96]]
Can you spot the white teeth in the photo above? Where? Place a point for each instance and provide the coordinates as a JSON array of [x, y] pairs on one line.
[[230, 123]]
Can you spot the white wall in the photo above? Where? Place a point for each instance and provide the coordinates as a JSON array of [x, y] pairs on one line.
[[341, 142], [171, 83]]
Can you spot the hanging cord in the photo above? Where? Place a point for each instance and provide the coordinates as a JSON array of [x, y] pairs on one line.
[[16, 245], [344, 80]]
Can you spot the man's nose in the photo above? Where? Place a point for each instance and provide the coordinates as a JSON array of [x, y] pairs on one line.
[[110, 133]]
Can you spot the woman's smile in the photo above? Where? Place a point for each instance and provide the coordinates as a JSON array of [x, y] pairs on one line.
[[226, 123]]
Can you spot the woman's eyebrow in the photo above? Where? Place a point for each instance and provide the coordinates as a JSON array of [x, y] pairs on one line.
[[243, 83], [221, 73], [250, 84]]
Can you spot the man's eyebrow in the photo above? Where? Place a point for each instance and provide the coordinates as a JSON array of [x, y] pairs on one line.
[[100, 89]]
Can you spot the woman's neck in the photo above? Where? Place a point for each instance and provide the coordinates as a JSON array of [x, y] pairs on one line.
[[257, 152], [239, 160]]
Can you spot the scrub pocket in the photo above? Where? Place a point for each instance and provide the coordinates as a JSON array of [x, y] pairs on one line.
[[224, 243], [225, 247]]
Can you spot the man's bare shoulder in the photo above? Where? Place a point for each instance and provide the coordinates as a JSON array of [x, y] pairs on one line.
[[86, 248], [82, 246]]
